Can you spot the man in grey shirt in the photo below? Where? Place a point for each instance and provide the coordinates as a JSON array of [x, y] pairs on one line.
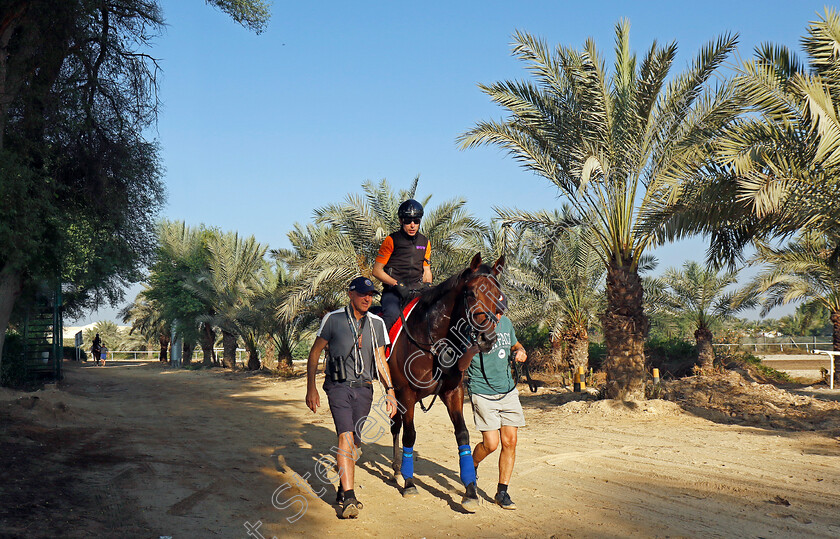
[[357, 341]]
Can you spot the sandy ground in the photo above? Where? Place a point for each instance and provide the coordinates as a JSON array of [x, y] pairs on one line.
[[139, 450]]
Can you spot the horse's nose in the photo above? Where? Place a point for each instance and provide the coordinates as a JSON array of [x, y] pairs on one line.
[[487, 341]]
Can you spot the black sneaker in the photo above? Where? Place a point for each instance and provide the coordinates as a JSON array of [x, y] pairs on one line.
[[503, 500], [339, 496], [350, 508]]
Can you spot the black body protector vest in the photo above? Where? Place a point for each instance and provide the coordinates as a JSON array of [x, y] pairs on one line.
[[406, 262]]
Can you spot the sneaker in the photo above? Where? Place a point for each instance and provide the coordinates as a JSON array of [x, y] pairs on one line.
[[339, 496], [350, 508], [503, 500]]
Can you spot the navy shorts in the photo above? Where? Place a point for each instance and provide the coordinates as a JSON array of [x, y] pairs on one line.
[[348, 405]]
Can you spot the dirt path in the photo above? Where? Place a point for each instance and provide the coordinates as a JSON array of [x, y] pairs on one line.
[[136, 450]]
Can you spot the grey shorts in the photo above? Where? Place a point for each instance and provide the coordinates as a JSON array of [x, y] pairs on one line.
[[348, 405], [491, 412]]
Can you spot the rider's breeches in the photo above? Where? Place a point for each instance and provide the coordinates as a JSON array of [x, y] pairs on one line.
[[390, 308]]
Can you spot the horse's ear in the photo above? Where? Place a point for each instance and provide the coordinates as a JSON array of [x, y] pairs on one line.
[[498, 265], [476, 262]]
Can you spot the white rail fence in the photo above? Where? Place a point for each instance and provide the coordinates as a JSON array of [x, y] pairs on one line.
[[779, 344], [154, 355]]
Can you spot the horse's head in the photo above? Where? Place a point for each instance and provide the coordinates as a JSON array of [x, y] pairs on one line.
[[481, 300]]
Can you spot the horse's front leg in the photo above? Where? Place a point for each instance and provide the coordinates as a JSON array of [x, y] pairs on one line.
[[408, 439], [454, 400]]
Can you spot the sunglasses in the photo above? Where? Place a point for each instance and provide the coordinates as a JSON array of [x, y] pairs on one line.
[[411, 220]]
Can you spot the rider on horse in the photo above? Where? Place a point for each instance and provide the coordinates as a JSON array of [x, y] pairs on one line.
[[402, 264]]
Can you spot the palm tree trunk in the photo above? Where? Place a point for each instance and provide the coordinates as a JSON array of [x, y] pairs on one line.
[[284, 361], [229, 349], [186, 358], [705, 351], [207, 340], [164, 347], [558, 356], [835, 320], [253, 359], [577, 341], [625, 329]]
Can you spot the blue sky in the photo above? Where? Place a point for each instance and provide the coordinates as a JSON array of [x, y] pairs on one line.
[[259, 130]]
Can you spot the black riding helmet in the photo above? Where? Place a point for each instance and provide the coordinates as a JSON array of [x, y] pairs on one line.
[[410, 208]]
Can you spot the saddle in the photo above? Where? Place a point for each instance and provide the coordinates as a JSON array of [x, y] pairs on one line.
[[396, 329]]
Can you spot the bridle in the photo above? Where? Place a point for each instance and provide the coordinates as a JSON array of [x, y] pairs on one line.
[[474, 310], [470, 312]]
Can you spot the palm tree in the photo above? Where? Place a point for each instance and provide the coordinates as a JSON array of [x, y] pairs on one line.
[[699, 294], [345, 239], [561, 276], [623, 148], [145, 318], [108, 331], [182, 255], [805, 269], [230, 285], [285, 332], [810, 318], [781, 162]]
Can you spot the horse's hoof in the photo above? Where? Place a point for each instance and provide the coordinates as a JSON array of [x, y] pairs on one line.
[[470, 500], [409, 492], [470, 505]]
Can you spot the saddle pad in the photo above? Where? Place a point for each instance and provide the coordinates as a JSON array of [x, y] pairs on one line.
[[394, 332]]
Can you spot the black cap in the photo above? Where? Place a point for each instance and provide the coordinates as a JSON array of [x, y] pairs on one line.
[[362, 285]]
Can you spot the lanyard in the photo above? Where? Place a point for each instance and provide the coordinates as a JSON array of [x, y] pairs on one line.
[[357, 339]]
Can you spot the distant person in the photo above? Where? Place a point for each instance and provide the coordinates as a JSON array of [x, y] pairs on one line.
[[94, 348], [356, 341], [103, 354], [403, 261], [496, 407]]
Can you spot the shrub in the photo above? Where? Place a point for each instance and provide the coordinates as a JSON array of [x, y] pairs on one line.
[[534, 338], [597, 355], [673, 356]]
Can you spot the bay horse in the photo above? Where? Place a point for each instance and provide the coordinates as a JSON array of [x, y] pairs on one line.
[[448, 325]]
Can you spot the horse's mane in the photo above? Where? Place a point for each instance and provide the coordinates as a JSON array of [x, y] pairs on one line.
[[429, 297]]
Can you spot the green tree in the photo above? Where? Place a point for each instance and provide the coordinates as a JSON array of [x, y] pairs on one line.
[[79, 184], [810, 318], [805, 269], [145, 318], [699, 295], [233, 280], [780, 162], [182, 254], [285, 332], [108, 332], [623, 147], [562, 276]]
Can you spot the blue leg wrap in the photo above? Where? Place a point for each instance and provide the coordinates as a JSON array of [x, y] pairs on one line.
[[465, 461], [407, 467]]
